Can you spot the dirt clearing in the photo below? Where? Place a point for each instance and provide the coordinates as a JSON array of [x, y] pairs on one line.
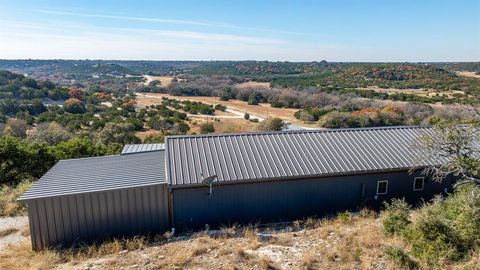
[[253, 84], [164, 80], [470, 74], [261, 111], [419, 92]]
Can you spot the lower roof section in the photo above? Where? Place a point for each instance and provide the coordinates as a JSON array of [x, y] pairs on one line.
[[146, 147], [84, 175]]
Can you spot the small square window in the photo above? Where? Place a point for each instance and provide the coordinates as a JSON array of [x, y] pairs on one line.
[[382, 187], [418, 183]]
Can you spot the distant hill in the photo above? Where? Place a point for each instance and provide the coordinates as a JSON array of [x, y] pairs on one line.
[[437, 76], [17, 86]]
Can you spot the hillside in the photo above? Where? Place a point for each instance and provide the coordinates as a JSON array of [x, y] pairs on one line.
[[437, 76]]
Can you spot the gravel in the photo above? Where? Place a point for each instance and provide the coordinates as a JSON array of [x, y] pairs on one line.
[[18, 223]]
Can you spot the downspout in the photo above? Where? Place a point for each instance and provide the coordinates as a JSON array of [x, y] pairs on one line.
[[171, 215]]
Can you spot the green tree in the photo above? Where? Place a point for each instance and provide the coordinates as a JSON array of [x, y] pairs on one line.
[[117, 133], [20, 160], [29, 82], [137, 123], [82, 147], [255, 98], [73, 105]]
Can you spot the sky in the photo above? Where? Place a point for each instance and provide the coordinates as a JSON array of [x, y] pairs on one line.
[[275, 30]]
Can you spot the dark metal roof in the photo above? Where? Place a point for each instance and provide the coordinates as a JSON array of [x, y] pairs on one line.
[[99, 174], [147, 147], [277, 155]]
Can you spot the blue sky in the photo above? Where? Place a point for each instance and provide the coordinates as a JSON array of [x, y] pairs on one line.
[[334, 30]]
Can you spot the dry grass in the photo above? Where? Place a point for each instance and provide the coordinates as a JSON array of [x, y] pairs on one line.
[[418, 92], [263, 110], [164, 80], [253, 84], [21, 257], [8, 195], [305, 244], [8, 231], [25, 231]]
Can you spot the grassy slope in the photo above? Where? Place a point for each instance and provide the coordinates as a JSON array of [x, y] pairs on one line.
[[342, 243]]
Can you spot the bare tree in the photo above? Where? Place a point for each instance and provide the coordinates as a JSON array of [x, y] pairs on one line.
[[454, 149]]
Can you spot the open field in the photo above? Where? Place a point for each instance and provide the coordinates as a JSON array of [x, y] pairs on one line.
[[253, 84], [164, 80], [418, 92], [470, 74], [237, 107]]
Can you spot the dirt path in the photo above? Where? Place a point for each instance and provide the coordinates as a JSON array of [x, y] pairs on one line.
[[235, 107]]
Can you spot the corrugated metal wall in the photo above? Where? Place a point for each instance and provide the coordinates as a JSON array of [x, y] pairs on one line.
[[291, 199], [63, 220]]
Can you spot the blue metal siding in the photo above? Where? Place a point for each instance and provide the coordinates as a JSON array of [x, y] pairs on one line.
[[289, 200], [66, 220]]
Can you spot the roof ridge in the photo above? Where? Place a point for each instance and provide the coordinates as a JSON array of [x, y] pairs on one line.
[[295, 131], [107, 156]]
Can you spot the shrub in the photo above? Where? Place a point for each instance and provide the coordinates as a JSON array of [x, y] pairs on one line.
[[397, 217], [154, 138], [255, 98], [433, 238], [446, 230], [400, 258], [344, 217], [340, 120], [271, 124], [246, 116], [207, 128], [220, 107]]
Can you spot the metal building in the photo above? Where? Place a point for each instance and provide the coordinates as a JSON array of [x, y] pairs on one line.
[[280, 176], [221, 179], [91, 199]]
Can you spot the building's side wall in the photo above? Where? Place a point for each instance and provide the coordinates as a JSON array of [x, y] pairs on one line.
[[291, 199], [70, 219]]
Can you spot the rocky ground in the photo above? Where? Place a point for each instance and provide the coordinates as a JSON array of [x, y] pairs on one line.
[[348, 243], [13, 230]]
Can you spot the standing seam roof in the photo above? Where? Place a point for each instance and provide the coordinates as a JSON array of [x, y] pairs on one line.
[[83, 175], [146, 147], [256, 156]]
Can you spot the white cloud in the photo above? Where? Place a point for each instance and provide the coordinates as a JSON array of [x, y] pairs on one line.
[[170, 21], [118, 17]]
